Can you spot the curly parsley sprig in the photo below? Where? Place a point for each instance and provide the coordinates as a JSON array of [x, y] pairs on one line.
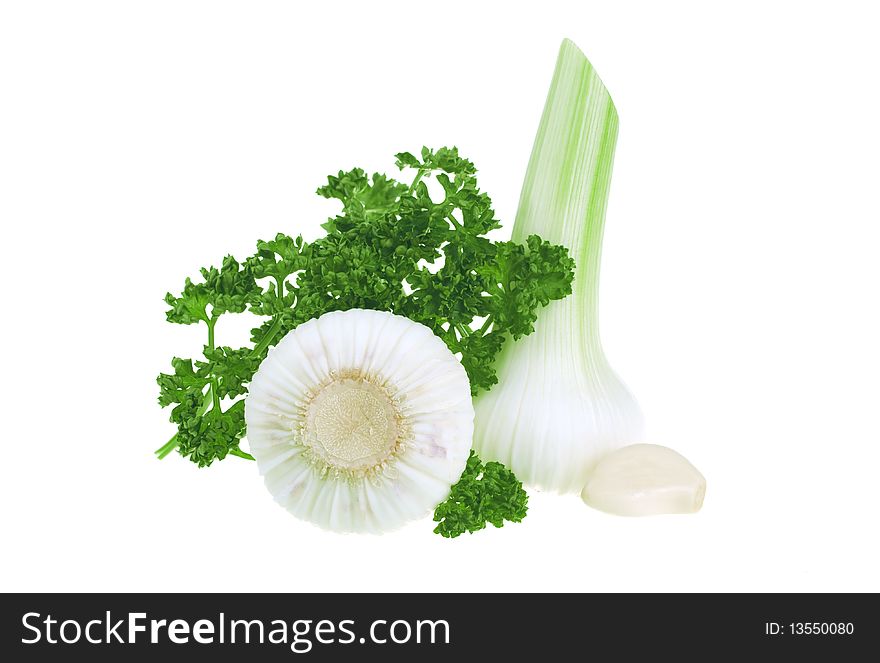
[[376, 255], [484, 494]]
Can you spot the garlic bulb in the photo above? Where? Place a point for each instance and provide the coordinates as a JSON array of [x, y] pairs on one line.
[[645, 480], [360, 421], [558, 406]]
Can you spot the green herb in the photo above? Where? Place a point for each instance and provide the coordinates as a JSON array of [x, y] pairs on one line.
[[484, 494], [205, 431], [382, 251]]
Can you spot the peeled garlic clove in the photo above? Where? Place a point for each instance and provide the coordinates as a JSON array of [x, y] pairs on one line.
[[645, 480]]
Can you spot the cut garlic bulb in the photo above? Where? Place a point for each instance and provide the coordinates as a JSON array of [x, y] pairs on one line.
[[360, 421], [645, 480]]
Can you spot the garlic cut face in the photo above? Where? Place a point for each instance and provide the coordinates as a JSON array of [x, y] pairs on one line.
[[645, 480], [360, 421]]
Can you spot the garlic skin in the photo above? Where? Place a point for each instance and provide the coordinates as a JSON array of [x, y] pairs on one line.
[[645, 480], [559, 408], [360, 421]]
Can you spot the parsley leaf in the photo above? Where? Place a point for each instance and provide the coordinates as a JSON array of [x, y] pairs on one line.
[[225, 290], [231, 369], [484, 494], [363, 198], [212, 436], [279, 260]]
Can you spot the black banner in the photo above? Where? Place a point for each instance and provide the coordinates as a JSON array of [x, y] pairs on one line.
[[325, 627]]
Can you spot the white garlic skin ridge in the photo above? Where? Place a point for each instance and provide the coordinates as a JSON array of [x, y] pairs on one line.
[[645, 480]]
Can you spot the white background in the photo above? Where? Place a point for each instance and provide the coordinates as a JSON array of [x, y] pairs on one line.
[[140, 141]]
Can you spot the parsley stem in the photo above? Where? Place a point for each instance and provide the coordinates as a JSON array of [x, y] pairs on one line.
[[486, 324], [241, 454], [167, 448], [268, 337], [235, 451], [419, 175], [215, 395], [215, 391], [211, 322]]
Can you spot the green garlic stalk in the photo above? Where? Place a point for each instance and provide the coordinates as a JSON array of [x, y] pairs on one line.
[[558, 407]]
